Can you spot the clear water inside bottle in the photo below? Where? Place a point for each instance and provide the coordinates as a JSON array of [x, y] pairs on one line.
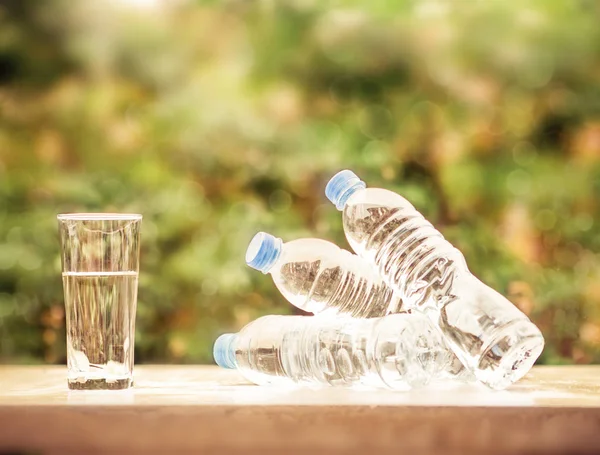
[[487, 332], [399, 351]]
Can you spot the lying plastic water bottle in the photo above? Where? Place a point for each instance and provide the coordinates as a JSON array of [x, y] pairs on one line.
[[399, 351], [317, 276], [487, 332]]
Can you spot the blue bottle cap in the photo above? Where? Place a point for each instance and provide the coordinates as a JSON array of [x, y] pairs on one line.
[[224, 351], [341, 186], [263, 251]]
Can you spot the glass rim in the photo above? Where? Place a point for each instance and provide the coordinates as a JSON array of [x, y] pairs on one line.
[[99, 217]]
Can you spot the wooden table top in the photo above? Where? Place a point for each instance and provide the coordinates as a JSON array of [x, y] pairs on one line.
[[175, 409]]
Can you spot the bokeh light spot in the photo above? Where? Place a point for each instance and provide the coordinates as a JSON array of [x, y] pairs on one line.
[[518, 182], [584, 222], [545, 219], [7, 261], [209, 287], [376, 122], [280, 201], [524, 153]]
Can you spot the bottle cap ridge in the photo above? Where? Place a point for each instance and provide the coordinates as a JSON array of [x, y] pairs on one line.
[[224, 351], [341, 186], [263, 251]]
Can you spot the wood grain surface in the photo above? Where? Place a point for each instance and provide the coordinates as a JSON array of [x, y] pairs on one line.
[[202, 409]]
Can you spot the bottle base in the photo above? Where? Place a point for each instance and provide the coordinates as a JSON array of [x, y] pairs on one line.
[[510, 357]]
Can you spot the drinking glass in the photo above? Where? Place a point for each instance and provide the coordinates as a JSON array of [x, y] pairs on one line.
[[100, 267]]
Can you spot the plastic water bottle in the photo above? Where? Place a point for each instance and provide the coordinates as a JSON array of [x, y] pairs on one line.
[[399, 351], [317, 276], [487, 332]]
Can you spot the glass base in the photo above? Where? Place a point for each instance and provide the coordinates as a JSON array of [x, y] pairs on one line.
[[100, 384]]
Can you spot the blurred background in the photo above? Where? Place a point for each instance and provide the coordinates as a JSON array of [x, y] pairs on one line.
[[216, 119]]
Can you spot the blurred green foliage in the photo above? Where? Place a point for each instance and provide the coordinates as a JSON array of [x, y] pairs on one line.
[[219, 119]]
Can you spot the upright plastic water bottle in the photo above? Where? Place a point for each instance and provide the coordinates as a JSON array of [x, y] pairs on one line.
[[487, 332], [399, 351], [317, 276]]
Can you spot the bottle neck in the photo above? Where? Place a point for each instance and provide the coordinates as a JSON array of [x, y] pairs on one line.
[[342, 186], [343, 199]]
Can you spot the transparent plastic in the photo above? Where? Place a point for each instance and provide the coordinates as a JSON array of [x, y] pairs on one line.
[[490, 336], [400, 351], [317, 276]]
